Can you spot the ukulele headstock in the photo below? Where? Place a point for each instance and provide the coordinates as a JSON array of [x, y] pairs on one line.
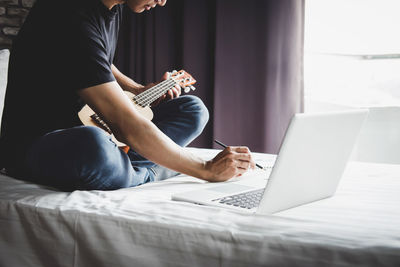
[[184, 79]]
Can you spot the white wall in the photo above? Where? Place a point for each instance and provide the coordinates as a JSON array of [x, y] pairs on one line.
[[4, 55], [379, 139]]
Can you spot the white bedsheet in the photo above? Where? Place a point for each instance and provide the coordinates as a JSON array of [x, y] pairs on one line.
[[359, 226]]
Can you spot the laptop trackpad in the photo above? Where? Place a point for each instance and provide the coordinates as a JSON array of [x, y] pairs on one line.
[[230, 188]]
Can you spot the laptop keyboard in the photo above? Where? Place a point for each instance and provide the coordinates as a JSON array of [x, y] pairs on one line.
[[246, 200]]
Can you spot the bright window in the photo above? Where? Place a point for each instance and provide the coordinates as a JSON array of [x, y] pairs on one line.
[[352, 53]]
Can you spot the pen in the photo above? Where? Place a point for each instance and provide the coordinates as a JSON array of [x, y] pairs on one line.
[[225, 146]]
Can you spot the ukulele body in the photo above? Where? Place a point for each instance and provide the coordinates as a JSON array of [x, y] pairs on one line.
[[86, 116]]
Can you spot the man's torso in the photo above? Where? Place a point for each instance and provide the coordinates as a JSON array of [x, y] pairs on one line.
[[63, 47]]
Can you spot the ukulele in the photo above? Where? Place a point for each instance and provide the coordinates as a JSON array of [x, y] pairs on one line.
[[141, 102]]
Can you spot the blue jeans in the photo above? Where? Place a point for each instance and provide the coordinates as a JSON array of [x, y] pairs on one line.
[[85, 157]]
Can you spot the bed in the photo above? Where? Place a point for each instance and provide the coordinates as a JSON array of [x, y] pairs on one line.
[[142, 226]]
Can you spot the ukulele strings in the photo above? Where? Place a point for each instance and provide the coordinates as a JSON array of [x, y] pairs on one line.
[[140, 98], [154, 95], [147, 97]]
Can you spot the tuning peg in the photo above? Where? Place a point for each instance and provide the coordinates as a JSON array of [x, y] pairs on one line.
[[192, 87], [174, 71], [186, 89]]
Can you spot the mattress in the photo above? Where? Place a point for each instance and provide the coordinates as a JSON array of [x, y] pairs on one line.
[[142, 226]]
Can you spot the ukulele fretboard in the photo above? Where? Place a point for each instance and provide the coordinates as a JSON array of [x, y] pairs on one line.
[[149, 96]]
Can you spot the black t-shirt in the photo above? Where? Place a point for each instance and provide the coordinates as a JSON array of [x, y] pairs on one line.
[[63, 47]]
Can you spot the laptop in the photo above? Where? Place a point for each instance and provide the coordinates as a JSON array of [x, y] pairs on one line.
[[308, 167]]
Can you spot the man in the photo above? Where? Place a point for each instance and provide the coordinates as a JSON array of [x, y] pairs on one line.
[[62, 60]]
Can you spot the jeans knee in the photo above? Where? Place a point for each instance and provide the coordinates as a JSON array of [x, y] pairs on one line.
[[197, 111], [100, 166], [91, 137]]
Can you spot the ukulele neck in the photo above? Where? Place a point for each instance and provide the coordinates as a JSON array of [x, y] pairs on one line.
[[152, 94]]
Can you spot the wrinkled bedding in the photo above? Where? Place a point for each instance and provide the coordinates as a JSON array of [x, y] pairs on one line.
[[142, 226]]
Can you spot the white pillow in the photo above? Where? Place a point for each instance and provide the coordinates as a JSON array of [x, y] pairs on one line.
[[4, 56]]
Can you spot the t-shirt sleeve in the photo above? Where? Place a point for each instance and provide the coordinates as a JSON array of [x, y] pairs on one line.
[[90, 60]]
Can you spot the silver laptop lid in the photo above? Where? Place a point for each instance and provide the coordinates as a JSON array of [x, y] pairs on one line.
[[311, 159]]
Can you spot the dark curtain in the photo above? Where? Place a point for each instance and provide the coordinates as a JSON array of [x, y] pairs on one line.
[[247, 57]]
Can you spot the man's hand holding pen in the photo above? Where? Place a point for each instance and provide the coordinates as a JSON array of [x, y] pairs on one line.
[[231, 162]]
